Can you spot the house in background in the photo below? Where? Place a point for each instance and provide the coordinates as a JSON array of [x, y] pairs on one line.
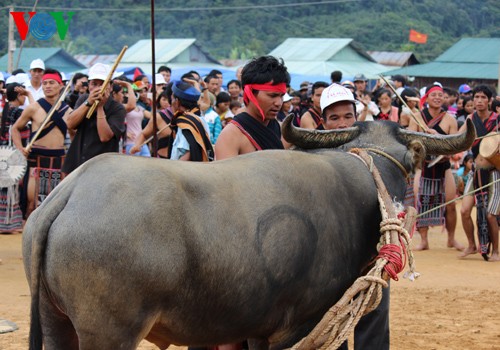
[[174, 53], [90, 60], [394, 58], [318, 57], [53, 57], [470, 60]]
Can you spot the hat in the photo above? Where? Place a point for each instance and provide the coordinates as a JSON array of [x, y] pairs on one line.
[[11, 80], [99, 71], [37, 64], [159, 79], [347, 83], [304, 85], [359, 77], [333, 94], [190, 94], [464, 88], [139, 85], [22, 78], [287, 97]]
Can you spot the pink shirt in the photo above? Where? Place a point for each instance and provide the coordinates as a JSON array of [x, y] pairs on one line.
[[134, 124]]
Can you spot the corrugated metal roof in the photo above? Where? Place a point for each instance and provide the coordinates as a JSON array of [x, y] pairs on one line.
[[321, 56], [473, 50], [348, 69], [309, 49], [470, 58], [64, 61], [450, 70], [165, 50], [391, 58], [147, 67], [90, 60]]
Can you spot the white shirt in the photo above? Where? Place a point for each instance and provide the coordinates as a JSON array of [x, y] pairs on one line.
[[37, 94]]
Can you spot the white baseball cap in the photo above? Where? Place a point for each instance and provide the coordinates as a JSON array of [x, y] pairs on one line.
[[159, 79], [38, 63], [287, 97], [333, 94], [11, 79], [99, 71], [22, 78]]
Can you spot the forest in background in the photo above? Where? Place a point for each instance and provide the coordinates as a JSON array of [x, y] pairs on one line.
[[240, 29]]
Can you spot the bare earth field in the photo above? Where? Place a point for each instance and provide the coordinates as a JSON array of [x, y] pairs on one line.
[[455, 304]]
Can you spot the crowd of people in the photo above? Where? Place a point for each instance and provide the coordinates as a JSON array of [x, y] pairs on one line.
[[199, 119]]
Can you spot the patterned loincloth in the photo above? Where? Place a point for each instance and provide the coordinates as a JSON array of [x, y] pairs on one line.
[[46, 165]]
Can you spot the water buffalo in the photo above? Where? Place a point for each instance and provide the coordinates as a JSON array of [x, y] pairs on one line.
[[254, 247]]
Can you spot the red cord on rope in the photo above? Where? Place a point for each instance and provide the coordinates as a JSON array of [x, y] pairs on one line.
[[394, 256]]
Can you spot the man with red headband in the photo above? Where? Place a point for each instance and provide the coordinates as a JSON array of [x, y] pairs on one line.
[[264, 82], [46, 157], [437, 184]]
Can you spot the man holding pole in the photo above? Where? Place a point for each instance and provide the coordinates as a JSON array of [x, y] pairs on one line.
[[101, 131], [45, 152]]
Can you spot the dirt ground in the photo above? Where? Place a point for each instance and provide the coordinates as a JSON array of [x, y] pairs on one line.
[[455, 304]]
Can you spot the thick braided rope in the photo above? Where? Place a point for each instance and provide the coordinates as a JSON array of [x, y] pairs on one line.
[[366, 292]]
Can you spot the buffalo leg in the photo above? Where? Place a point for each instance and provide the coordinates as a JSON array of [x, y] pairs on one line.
[[58, 331]]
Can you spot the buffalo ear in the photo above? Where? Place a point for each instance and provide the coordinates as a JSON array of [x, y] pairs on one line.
[[417, 151]]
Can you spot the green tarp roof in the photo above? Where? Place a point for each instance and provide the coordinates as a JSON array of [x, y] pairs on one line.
[[472, 58], [53, 57]]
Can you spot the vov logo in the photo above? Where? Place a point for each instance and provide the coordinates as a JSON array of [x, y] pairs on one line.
[[42, 26]]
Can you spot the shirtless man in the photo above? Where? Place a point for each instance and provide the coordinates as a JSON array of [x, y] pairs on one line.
[[311, 119], [437, 184], [47, 154], [256, 129], [264, 81], [488, 201]]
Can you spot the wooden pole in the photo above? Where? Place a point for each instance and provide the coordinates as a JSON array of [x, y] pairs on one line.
[[153, 70], [419, 122], [47, 118], [106, 82], [11, 45]]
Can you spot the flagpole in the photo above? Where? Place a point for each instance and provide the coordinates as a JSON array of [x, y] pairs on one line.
[[155, 124]]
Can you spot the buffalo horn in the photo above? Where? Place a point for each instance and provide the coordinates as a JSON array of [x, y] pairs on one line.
[[443, 144], [312, 139]]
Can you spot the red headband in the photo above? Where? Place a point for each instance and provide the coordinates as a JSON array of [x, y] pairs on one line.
[[248, 93], [52, 76], [427, 93]]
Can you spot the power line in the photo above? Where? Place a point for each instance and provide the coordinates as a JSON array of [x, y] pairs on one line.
[[187, 9]]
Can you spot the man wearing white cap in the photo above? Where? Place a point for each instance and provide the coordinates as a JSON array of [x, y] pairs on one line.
[[102, 131], [338, 107], [37, 67]]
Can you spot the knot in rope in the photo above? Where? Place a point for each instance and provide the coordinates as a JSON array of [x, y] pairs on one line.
[[393, 254], [391, 224]]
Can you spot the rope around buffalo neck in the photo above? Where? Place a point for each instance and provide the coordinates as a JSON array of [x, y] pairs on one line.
[[366, 292]]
